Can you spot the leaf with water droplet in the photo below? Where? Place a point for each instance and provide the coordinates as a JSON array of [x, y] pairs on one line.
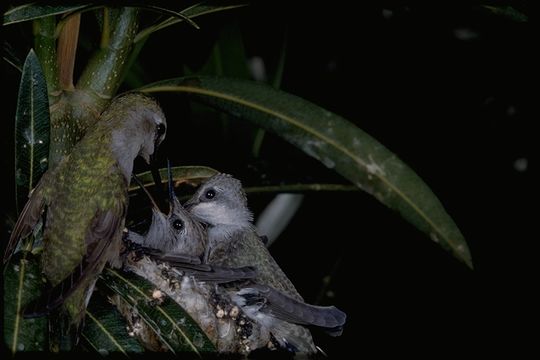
[[335, 142], [31, 122], [105, 328], [22, 284], [28, 12]]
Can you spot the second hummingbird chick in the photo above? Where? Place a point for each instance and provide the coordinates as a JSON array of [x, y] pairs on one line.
[[270, 299]]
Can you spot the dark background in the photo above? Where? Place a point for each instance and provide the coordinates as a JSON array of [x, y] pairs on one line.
[[450, 90]]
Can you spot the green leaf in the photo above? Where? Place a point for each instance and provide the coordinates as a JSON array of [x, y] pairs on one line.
[[172, 325], [299, 188], [177, 15], [508, 12], [22, 284], [334, 141], [190, 174], [199, 9], [35, 11], [45, 45], [105, 329], [32, 128]]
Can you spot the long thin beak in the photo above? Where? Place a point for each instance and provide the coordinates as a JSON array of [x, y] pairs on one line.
[[156, 176], [170, 185], [141, 185]]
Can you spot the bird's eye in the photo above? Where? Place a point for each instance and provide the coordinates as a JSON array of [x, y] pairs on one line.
[[210, 194], [178, 224], [161, 129]]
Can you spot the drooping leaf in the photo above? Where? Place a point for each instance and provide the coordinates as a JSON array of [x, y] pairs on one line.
[[105, 329], [174, 14], [189, 174], [32, 128], [199, 9], [22, 284], [299, 188], [334, 141], [35, 11], [170, 323], [508, 12]]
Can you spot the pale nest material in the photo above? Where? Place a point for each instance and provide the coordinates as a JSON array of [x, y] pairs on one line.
[[227, 327]]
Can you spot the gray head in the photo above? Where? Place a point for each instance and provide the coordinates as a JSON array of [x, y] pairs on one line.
[[137, 124], [221, 201], [175, 232]]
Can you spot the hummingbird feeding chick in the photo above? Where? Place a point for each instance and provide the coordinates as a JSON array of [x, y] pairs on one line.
[[83, 202], [269, 299]]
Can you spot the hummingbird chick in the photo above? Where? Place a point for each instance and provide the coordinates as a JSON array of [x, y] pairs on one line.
[[83, 202], [181, 241], [269, 299]]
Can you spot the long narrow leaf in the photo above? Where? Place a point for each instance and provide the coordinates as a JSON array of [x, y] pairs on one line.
[[174, 327], [334, 141], [35, 11], [32, 128], [105, 329], [190, 174], [22, 284], [199, 9]]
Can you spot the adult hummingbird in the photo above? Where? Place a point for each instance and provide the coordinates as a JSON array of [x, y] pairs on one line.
[[270, 298], [83, 202]]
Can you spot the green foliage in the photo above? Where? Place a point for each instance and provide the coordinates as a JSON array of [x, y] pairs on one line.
[[36, 11], [334, 141], [190, 174], [105, 329], [22, 284], [172, 325], [196, 10], [32, 129]]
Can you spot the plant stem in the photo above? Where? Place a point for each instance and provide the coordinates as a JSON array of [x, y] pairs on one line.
[[45, 47], [67, 49], [105, 69]]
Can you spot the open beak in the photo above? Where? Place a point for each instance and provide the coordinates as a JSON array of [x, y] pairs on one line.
[[170, 186], [156, 176], [141, 185]]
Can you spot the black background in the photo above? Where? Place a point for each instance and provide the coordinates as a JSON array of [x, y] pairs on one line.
[[458, 111]]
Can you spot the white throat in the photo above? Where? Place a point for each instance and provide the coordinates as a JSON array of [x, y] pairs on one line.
[[125, 148]]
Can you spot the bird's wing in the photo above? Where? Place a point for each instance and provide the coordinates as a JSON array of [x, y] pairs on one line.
[[202, 272], [285, 308], [105, 227], [221, 275], [27, 220]]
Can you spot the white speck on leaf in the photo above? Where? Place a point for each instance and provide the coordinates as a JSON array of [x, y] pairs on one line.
[[29, 136], [328, 163], [374, 168]]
